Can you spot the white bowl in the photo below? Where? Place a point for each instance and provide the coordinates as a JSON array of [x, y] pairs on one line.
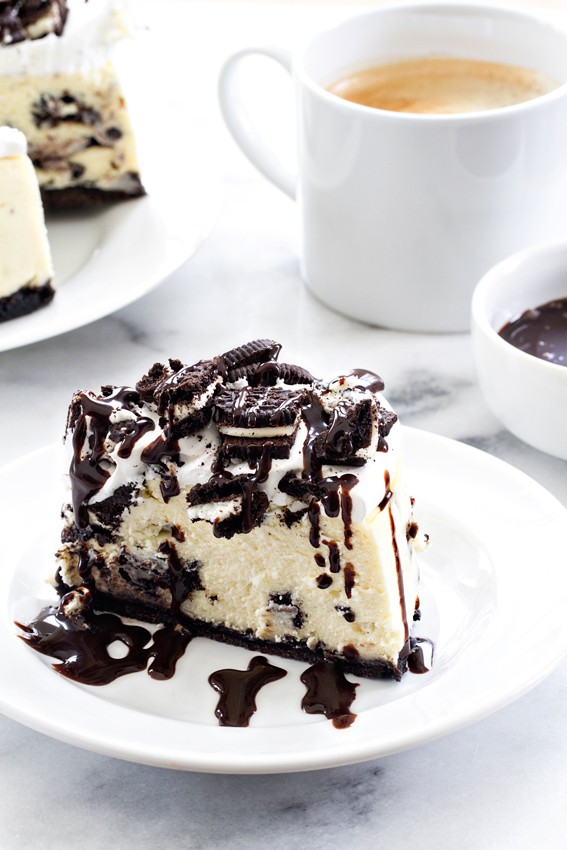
[[527, 394]]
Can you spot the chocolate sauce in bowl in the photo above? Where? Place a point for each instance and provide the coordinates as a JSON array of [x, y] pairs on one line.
[[541, 332]]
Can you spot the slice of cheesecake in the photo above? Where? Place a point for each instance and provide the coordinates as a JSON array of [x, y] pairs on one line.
[[25, 261], [59, 86], [250, 502]]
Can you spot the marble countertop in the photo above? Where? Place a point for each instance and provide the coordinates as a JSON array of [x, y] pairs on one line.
[[500, 783]]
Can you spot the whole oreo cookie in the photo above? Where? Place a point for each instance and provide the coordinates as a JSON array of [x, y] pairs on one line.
[[257, 407]]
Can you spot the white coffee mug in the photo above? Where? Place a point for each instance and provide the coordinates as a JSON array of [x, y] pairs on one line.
[[401, 213]]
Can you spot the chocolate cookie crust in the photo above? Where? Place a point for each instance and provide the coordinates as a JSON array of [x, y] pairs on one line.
[[25, 300]]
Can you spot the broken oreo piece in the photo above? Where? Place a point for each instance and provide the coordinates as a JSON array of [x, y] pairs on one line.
[[350, 429], [257, 351], [147, 384]]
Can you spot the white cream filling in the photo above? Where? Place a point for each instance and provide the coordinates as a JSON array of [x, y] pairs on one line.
[[252, 433]]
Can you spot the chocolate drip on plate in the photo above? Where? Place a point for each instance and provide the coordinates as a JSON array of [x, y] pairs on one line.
[[79, 638], [329, 693], [238, 690], [80, 641], [169, 645]]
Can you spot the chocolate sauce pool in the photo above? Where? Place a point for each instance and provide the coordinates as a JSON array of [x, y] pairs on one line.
[[79, 638], [541, 332]]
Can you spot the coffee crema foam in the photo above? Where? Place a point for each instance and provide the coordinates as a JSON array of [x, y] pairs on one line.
[[443, 85]]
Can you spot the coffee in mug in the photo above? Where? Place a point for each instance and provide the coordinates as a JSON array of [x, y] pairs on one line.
[[401, 213], [442, 85]]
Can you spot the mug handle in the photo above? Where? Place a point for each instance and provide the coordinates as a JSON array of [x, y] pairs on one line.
[[242, 129]]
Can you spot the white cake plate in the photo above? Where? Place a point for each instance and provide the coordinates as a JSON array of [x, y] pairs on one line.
[[493, 595]]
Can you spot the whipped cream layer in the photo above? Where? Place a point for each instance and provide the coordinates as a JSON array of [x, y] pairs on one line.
[[197, 454]]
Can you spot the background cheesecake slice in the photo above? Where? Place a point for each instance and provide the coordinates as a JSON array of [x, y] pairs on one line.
[[25, 260], [58, 85], [249, 502]]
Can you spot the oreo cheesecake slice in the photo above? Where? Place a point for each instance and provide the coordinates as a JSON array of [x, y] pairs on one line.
[[249, 502], [59, 86]]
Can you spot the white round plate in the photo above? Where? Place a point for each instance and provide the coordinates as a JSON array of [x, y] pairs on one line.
[[106, 258], [493, 595]]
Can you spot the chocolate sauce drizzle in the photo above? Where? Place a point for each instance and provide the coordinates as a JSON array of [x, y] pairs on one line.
[[154, 454], [387, 493], [238, 690], [334, 556], [140, 427], [87, 474], [368, 380], [329, 693], [349, 576]]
